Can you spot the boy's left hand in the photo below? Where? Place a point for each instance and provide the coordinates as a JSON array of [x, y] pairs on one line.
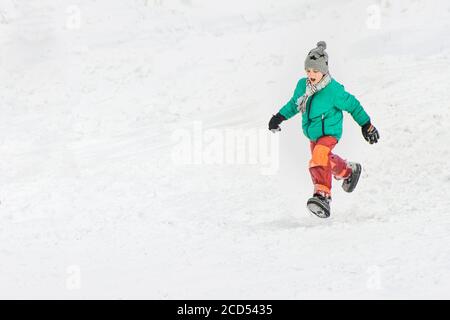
[[370, 133]]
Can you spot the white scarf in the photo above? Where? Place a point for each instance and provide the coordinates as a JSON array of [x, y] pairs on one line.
[[310, 90]]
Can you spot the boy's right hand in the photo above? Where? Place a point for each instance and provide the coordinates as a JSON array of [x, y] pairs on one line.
[[274, 123]]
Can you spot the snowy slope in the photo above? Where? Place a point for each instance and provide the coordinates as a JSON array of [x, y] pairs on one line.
[[97, 201]]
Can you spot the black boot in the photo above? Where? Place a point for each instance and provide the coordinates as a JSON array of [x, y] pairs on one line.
[[319, 205], [350, 183]]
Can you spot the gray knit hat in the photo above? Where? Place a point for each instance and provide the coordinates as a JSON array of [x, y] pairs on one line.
[[317, 58]]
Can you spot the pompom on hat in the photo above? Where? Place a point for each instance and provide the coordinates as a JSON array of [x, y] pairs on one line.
[[317, 58]]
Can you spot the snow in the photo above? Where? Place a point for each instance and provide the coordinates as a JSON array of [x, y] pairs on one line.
[[119, 181]]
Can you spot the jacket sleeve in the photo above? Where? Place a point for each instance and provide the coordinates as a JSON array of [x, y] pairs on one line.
[[290, 109], [347, 102]]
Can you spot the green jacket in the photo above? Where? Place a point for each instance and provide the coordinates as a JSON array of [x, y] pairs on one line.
[[323, 115]]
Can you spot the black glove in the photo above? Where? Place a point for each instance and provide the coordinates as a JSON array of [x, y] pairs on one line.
[[370, 133], [274, 123]]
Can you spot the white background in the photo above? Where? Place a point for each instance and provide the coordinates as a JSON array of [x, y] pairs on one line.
[[93, 206]]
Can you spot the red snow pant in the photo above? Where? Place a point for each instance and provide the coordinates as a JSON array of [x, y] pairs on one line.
[[323, 164]]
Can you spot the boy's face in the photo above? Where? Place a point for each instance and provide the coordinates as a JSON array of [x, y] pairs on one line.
[[314, 75]]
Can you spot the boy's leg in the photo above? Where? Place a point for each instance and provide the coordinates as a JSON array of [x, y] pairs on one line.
[[320, 164], [339, 168]]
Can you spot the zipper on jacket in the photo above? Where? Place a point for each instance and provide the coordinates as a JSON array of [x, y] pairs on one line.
[[323, 125], [309, 109], [308, 106]]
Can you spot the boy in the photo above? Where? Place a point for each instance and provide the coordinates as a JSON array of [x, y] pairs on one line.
[[321, 100]]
